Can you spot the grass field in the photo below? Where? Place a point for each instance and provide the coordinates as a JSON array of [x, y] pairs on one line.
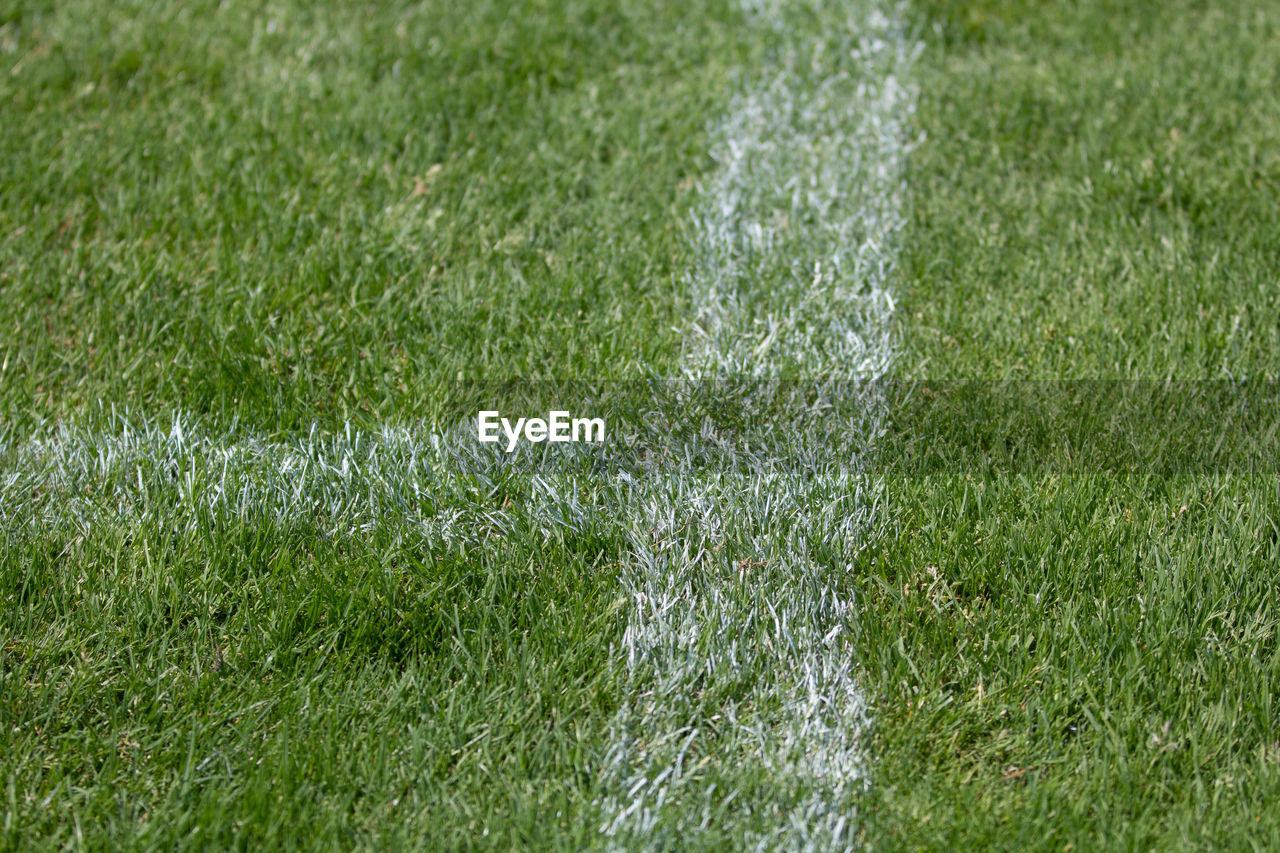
[[938, 345]]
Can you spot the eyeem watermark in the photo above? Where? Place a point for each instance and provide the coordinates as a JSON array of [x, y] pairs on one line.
[[559, 426]]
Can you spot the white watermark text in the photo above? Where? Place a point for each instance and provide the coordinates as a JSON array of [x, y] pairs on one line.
[[558, 426]]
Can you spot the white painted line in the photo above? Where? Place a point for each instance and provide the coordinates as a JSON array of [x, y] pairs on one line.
[[742, 676], [426, 486]]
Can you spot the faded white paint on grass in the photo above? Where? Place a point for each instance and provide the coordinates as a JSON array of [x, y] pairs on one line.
[[421, 486], [745, 720]]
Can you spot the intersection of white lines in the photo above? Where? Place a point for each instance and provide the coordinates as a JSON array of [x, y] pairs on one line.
[[743, 718]]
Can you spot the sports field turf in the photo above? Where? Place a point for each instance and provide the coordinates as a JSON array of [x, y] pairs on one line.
[[938, 345]]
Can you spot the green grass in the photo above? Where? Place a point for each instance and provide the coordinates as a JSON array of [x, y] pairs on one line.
[[1094, 194], [274, 215], [257, 690], [284, 212], [1070, 620]]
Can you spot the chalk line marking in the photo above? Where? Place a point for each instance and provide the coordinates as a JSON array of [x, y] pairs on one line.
[[746, 720]]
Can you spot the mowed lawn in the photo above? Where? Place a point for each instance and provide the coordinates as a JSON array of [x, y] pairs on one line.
[[264, 219], [1071, 617], [284, 223]]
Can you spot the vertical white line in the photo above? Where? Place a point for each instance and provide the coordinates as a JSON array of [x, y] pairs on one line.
[[746, 720]]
